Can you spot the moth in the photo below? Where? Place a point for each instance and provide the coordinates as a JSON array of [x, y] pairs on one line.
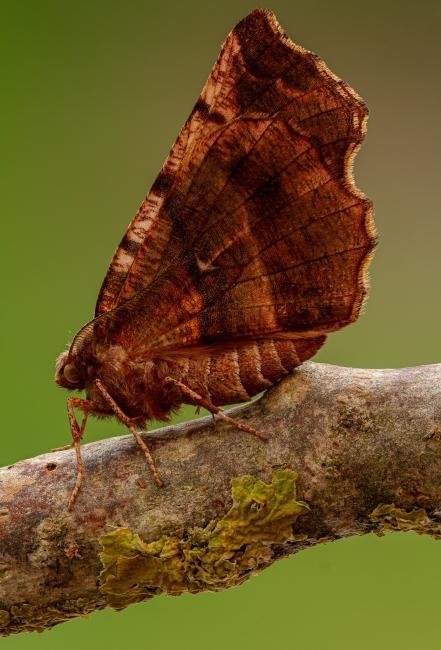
[[251, 246]]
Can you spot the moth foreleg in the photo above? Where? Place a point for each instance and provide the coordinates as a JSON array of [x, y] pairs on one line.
[[128, 422], [214, 410], [77, 434], [81, 427]]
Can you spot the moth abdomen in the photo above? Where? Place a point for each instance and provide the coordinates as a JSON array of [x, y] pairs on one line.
[[237, 374]]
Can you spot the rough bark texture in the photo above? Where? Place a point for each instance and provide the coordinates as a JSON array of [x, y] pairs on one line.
[[366, 445]]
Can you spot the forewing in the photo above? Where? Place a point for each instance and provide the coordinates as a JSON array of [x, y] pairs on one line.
[[254, 226]]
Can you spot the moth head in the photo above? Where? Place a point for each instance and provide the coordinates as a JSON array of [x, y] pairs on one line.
[[67, 372]]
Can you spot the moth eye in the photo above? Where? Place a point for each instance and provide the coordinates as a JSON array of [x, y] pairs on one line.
[[70, 373]]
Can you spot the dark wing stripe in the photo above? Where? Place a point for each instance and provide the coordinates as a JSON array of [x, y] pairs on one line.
[[247, 116]]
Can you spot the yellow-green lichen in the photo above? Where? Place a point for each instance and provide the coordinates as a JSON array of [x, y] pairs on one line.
[[25, 617], [222, 554], [390, 518]]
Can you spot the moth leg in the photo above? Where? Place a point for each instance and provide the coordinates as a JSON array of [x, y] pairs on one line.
[[127, 421], [81, 428], [214, 410], [77, 434]]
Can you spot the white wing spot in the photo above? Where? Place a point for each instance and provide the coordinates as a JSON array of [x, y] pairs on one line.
[[205, 267]]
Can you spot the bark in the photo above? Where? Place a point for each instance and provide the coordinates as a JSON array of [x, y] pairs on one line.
[[366, 445]]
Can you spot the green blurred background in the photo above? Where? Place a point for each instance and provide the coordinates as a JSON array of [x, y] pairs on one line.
[[94, 94]]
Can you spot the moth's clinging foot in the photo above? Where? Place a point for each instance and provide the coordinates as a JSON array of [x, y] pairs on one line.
[[64, 448], [214, 410], [241, 425]]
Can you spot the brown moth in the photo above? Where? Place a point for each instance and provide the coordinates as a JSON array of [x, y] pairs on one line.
[[250, 247]]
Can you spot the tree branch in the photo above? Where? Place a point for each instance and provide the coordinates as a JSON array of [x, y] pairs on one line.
[[365, 445]]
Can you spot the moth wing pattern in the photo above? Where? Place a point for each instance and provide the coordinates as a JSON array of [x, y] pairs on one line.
[[254, 228]]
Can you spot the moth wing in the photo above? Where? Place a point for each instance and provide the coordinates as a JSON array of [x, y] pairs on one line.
[[254, 226]]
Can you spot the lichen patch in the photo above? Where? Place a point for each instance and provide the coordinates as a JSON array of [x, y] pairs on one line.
[[223, 554], [390, 518]]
